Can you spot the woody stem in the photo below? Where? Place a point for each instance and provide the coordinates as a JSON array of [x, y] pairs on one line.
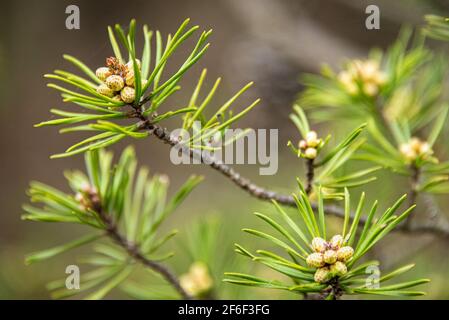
[[310, 173]]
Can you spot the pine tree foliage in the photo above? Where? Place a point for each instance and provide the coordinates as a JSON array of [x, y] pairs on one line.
[[118, 202], [393, 103], [329, 268], [151, 85], [326, 163], [399, 94]]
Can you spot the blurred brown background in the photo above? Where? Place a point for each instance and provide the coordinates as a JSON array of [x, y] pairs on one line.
[[270, 42]]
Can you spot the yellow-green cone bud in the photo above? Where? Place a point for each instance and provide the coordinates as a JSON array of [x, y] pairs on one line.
[[197, 281], [129, 80], [105, 90], [338, 268], [345, 253], [319, 244], [313, 143], [370, 89], [330, 256], [115, 82], [315, 260], [322, 275], [102, 73], [128, 94], [336, 242], [312, 139], [311, 135], [310, 153]]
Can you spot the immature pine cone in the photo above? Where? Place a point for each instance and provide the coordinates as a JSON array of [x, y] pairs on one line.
[[345, 253], [302, 144], [330, 256], [102, 73], [312, 139], [415, 148], [322, 275], [367, 74], [339, 268], [319, 244], [105, 90], [115, 82], [336, 242], [310, 153], [197, 281], [315, 260], [128, 94], [129, 80]]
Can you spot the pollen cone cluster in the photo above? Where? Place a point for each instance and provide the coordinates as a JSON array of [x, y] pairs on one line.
[[87, 196], [197, 281], [415, 149], [310, 144], [329, 257], [363, 77], [118, 80]]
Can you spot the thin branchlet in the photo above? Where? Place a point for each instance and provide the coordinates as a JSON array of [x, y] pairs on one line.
[[134, 251], [439, 227], [413, 193], [310, 174]]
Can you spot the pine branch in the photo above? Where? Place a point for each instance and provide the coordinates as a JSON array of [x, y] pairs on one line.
[[134, 251], [431, 227], [413, 194], [165, 136], [310, 173]]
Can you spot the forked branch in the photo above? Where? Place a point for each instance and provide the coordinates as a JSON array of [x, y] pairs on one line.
[[134, 251], [434, 226]]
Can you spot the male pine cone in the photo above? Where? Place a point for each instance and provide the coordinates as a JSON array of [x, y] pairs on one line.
[[329, 258], [119, 80]]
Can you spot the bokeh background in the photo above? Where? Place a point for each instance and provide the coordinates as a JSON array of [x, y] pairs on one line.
[[267, 41]]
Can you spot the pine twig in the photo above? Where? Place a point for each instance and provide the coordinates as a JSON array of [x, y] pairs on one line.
[[310, 174], [134, 251], [440, 228], [413, 194]]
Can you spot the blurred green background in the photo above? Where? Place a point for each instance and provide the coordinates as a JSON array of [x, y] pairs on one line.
[[266, 41]]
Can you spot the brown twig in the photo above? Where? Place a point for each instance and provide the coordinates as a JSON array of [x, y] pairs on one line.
[[413, 194], [310, 174], [134, 251], [414, 181], [431, 227]]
